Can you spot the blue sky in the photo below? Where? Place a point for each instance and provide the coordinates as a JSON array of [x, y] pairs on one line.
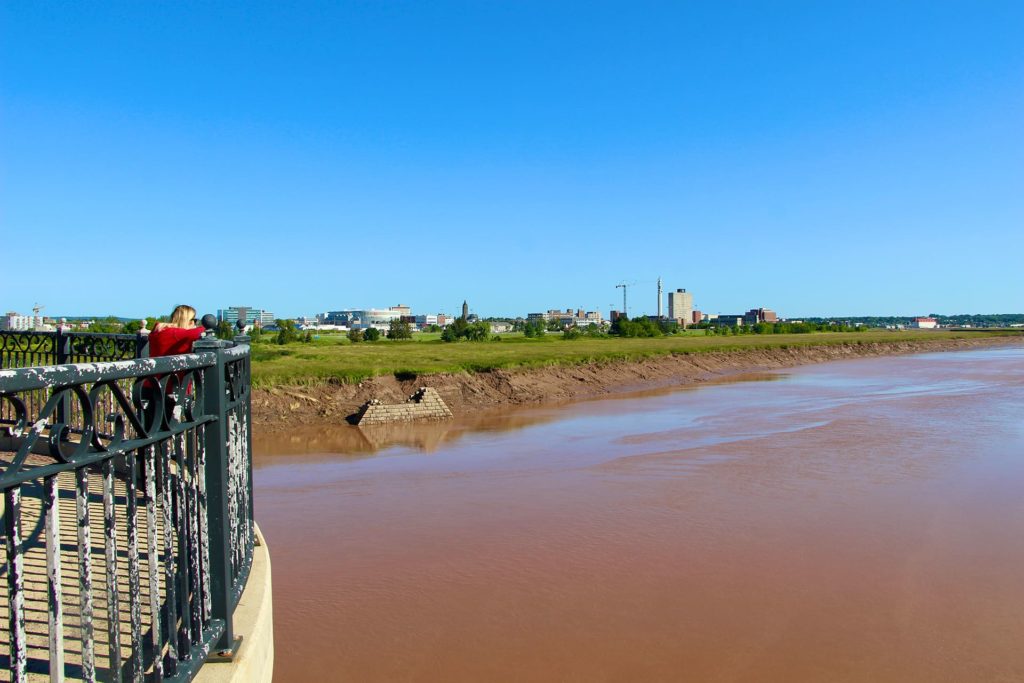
[[816, 158]]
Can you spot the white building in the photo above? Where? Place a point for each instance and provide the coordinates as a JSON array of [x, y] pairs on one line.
[[16, 321], [925, 323], [680, 307]]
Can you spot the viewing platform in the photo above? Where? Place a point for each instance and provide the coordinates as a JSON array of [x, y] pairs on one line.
[[128, 544]]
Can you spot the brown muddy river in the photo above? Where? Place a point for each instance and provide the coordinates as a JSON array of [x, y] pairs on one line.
[[854, 521]]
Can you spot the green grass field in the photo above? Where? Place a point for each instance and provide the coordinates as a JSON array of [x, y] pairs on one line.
[[332, 359]]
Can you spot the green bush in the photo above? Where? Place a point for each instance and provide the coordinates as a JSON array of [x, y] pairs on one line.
[[286, 332], [533, 329], [399, 330], [463, 330]]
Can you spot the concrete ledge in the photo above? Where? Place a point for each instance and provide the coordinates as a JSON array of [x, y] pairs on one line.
[[254, 621]]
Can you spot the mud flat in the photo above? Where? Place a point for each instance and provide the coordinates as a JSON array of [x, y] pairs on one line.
[[284, 406]]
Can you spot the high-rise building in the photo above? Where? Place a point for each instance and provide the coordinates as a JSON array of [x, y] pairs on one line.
[[680, 306], [465, 310]]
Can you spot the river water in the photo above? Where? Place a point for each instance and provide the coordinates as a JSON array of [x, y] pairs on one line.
[[853, 521]]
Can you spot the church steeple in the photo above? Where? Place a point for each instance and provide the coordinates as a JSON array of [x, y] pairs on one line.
[[465, 310]]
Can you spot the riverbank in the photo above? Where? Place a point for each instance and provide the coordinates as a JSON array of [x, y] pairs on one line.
[[279, 407]]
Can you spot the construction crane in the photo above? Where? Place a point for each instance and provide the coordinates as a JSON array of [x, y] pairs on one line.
[[625, 286]]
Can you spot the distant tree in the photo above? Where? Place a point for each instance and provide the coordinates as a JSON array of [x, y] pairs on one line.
[[131, 327], [572, 333], [355, 336], [463, 330], [668, 326], [399, 330], [107, 325], [286, 332], [641, 327], [535, 328], [225, 330], [371, 334], [455, 331]]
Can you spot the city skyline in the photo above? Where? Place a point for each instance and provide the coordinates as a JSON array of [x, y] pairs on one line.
[[839, 160]]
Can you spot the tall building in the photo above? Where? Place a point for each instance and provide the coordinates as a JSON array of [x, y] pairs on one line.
[[465, 310], [680, 306]]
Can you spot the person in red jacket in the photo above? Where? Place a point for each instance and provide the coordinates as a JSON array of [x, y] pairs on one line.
[[169, 339], [176, 336]]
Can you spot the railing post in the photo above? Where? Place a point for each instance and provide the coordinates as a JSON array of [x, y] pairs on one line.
[[141, 345], [61, 354], [218, 520], [61, 346]]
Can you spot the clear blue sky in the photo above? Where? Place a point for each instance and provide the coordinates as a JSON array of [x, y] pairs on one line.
[[818, 158]]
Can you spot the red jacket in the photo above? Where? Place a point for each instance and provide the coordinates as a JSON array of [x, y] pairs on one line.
[[170, 341]]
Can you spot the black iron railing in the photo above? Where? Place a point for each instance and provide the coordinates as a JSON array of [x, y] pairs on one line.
[[19, 349], [159, 450]]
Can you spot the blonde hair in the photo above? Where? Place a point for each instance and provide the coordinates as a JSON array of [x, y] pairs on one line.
[[183, 316]]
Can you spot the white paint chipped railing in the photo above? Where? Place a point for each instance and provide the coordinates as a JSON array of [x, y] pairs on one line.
[[159, 449]]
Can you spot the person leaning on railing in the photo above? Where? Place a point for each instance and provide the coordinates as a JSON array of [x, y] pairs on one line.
[[176, 336], [170, 339]]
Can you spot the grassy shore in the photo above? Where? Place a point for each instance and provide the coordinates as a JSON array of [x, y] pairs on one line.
[[332, 359]]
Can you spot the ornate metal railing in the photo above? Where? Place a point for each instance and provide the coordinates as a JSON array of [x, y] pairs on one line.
[[159, 449], [20, 349]]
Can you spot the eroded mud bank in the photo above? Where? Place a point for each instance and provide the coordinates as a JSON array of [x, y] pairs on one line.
[[280, 407]]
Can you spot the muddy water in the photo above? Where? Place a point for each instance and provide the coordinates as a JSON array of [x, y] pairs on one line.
[[853, 521]]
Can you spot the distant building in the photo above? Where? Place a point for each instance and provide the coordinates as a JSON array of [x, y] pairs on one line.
[[697, 317], [760, 315], [251, 316], [680, 306], [16, 321], [730, 319], [465, 310], [568, 317], [925, 323], [364, 318]]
